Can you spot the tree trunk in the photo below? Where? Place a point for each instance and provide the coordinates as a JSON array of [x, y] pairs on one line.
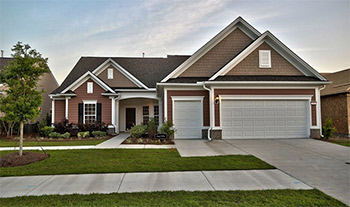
[[21, 140]]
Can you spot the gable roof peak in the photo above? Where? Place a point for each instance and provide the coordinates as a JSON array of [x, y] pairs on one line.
[[239, 22]]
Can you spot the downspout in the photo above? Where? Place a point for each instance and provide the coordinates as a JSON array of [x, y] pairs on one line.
[[321, 88], [210, 127]]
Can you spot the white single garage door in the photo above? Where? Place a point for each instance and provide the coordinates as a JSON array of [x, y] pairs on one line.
[[264, 119], [187, 119]]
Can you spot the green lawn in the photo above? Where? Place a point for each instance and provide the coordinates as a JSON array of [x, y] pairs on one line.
[[276, 198], [8, 143], [130, 160], [341, 142]]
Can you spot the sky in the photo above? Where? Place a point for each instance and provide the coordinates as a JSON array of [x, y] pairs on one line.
[[65, 30]]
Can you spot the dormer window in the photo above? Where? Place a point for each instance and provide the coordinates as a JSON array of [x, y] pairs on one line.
[[265, 58], [90, 87], [110, 73]]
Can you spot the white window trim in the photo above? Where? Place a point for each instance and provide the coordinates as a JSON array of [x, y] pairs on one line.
[[89, 102], [262, 52], [110, 73], [90, 85]]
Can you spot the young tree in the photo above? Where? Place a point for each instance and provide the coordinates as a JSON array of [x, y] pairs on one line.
[[22, 100]]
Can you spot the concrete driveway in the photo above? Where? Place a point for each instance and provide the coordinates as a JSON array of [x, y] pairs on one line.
[[316, 163]]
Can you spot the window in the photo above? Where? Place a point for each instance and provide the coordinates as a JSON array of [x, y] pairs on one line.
[[89, 112], [156, 114], [90, 87], [145, 112], [264, 58], [110, 73]]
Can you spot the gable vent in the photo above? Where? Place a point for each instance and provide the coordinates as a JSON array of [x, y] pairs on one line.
[[264, 58]]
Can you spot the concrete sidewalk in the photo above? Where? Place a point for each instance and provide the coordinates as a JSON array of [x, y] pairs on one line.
[[113, 142], [148, 182]]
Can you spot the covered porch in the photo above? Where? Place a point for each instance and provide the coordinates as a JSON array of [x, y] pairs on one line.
[[134, 108]]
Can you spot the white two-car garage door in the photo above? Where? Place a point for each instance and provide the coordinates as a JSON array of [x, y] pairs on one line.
[[264, 119], [187, 119]]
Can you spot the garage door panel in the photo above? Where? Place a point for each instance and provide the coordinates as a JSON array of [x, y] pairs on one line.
[[187, 119], [264, 119]]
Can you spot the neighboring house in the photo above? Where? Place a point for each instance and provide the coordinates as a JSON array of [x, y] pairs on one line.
[[47, 82], [335, 101], [240, 84]]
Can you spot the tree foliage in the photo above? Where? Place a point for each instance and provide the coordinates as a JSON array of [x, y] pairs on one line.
[[22, 100], [21, 77]]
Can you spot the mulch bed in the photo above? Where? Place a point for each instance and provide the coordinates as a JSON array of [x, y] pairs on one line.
[[14, 160], [145, 140]]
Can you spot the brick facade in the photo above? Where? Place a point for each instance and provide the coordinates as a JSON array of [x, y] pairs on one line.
[[59, 110], [82, 94], [250, 64], [219, 55], [337, 108]]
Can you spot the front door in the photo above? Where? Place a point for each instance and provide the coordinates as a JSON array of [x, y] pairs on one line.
[[130, 118]]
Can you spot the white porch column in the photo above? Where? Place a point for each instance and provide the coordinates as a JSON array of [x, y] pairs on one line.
[[113, 111], [66, 110], [160, 107], [117, 116], [52, 111]]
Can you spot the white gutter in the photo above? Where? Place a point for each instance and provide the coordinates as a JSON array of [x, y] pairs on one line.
[[268, 82], [179, 84], [210, 126]]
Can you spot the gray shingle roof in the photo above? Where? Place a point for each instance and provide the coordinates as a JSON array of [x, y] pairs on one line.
[[4, 61], [148, 70]]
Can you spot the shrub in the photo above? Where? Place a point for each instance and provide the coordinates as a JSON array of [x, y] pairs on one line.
[[328, 129], [152, 128], [55, 135], [46, 131], [43, 123], [167, 128], [93, 127], [99, 134], [83, 134], [59, 135], [64, 126], [137, 131], [65, 135]]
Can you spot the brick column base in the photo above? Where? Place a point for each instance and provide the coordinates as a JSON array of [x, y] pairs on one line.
[[216, 134], [315, 133]]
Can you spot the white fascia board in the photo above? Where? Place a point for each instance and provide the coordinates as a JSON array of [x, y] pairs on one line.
[[239, 57], [150, 89], [266, 83], [131, 95], [177, 84], [290, 52], [83, 78], [209, 45], [132, 78]]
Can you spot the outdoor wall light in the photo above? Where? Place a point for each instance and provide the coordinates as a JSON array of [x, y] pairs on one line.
[[217, 99]]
